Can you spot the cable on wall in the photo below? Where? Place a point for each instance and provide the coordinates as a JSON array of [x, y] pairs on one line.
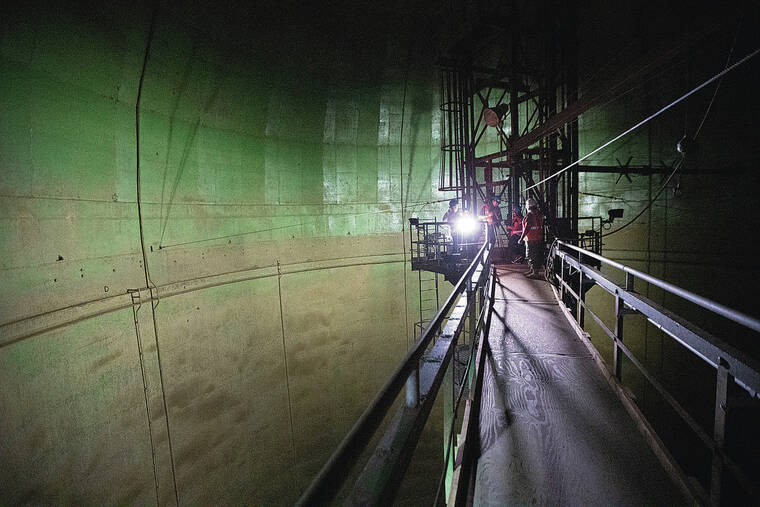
[[401, 189], [300, 224], [285, 361], [715, 92], [148, 281]]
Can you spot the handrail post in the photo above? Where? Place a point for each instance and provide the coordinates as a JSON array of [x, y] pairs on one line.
[[472, 310], [617, 356], [480, 296], [719, 430], [579, 303]]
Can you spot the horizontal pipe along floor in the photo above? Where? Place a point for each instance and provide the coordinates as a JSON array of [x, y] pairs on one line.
[[552, 431]]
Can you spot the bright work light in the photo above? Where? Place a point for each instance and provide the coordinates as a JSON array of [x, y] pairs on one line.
[[466, 224]]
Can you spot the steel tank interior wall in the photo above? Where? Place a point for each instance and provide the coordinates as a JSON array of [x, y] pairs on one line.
[[695, 234], [215, 344]]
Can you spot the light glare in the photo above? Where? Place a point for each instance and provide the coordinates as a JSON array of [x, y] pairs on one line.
[[466, 224]]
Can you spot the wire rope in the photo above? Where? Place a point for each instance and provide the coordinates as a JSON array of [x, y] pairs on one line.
[[650, 117], [681, 161]]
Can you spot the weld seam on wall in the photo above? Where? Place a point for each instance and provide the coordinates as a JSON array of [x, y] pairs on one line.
[[29, 327], [190, 280]]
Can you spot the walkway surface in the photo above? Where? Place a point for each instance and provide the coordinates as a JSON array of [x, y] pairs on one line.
[[552, 430]]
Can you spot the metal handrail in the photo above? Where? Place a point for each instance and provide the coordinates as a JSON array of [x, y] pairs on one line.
[[463, 476], [482, 330], [708, 304], [332, 475], [728, 361]]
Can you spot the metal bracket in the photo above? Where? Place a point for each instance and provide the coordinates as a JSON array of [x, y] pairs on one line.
[[624, 169], [136, 297]]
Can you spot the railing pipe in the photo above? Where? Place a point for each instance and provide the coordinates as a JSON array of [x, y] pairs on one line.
[[720, 355], [333, 473], [729, 313], [413, 388]]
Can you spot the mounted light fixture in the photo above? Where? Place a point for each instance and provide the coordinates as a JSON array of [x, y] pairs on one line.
[[493, 116], [613, 214]]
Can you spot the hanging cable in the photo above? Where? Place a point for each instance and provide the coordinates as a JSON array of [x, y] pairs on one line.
[[148, 281], [651, 201], [715, 92], [685, 139], [650, 117]]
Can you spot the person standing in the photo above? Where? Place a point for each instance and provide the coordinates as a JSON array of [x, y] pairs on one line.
[[533, 234], [452, 212], [492, 214], [515, 231], [450, 216]]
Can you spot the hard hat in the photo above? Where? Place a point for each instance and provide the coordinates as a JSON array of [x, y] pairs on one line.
[[453, 203], [530, 203]]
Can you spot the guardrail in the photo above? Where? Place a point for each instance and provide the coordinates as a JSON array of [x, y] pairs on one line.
[[729, 362], [423, 376]]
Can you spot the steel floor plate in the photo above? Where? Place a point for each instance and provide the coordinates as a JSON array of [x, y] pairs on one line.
[[552, 430]]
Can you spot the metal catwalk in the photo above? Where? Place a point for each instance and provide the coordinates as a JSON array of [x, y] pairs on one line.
[[552, 431]]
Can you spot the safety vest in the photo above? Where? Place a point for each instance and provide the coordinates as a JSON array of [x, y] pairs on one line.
[[489, 215], [534, 223]]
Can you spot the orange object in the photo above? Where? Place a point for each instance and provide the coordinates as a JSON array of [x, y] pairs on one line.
[[488, 213], [534, 223]]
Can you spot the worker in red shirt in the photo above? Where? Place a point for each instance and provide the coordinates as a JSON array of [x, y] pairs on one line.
[[492, 215], [515, 232], [533, 234]]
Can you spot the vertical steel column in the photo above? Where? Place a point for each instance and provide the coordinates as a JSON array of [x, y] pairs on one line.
[[570, 49], [419, 285], [548, 107], [515, 172], [579, 306], [719, 430], [469, 115]]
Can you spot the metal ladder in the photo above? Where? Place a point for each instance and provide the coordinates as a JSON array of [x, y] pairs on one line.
[[429, 300]]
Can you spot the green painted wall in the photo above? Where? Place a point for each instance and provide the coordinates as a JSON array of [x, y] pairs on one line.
[[276, 176]]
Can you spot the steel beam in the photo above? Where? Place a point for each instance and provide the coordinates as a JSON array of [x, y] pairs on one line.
[[634, 74]]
